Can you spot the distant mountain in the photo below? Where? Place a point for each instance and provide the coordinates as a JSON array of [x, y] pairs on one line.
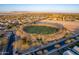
[[22, 12]]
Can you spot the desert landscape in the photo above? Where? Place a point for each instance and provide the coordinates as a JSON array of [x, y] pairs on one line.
[[38, 32]]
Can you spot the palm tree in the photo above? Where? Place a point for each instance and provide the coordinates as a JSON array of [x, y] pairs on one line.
[[40, 40], [72, 40], [68, 41]]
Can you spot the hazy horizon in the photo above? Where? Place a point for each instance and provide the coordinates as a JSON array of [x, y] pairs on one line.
[[60, 8]]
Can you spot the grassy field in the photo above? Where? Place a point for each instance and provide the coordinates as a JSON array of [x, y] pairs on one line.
[[40, 29]]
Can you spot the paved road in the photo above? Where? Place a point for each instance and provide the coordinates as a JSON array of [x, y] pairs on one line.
[[50, 47], [9, 47]]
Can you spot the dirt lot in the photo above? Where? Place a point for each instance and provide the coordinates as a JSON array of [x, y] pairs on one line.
[[69, 25]]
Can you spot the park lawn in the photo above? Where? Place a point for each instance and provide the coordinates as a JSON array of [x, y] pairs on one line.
[[40, 29]]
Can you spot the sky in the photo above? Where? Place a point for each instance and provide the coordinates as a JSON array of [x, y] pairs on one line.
[[74, 8]]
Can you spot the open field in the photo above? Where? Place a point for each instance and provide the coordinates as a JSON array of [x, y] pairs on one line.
[[72, 26], [40, 29]]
